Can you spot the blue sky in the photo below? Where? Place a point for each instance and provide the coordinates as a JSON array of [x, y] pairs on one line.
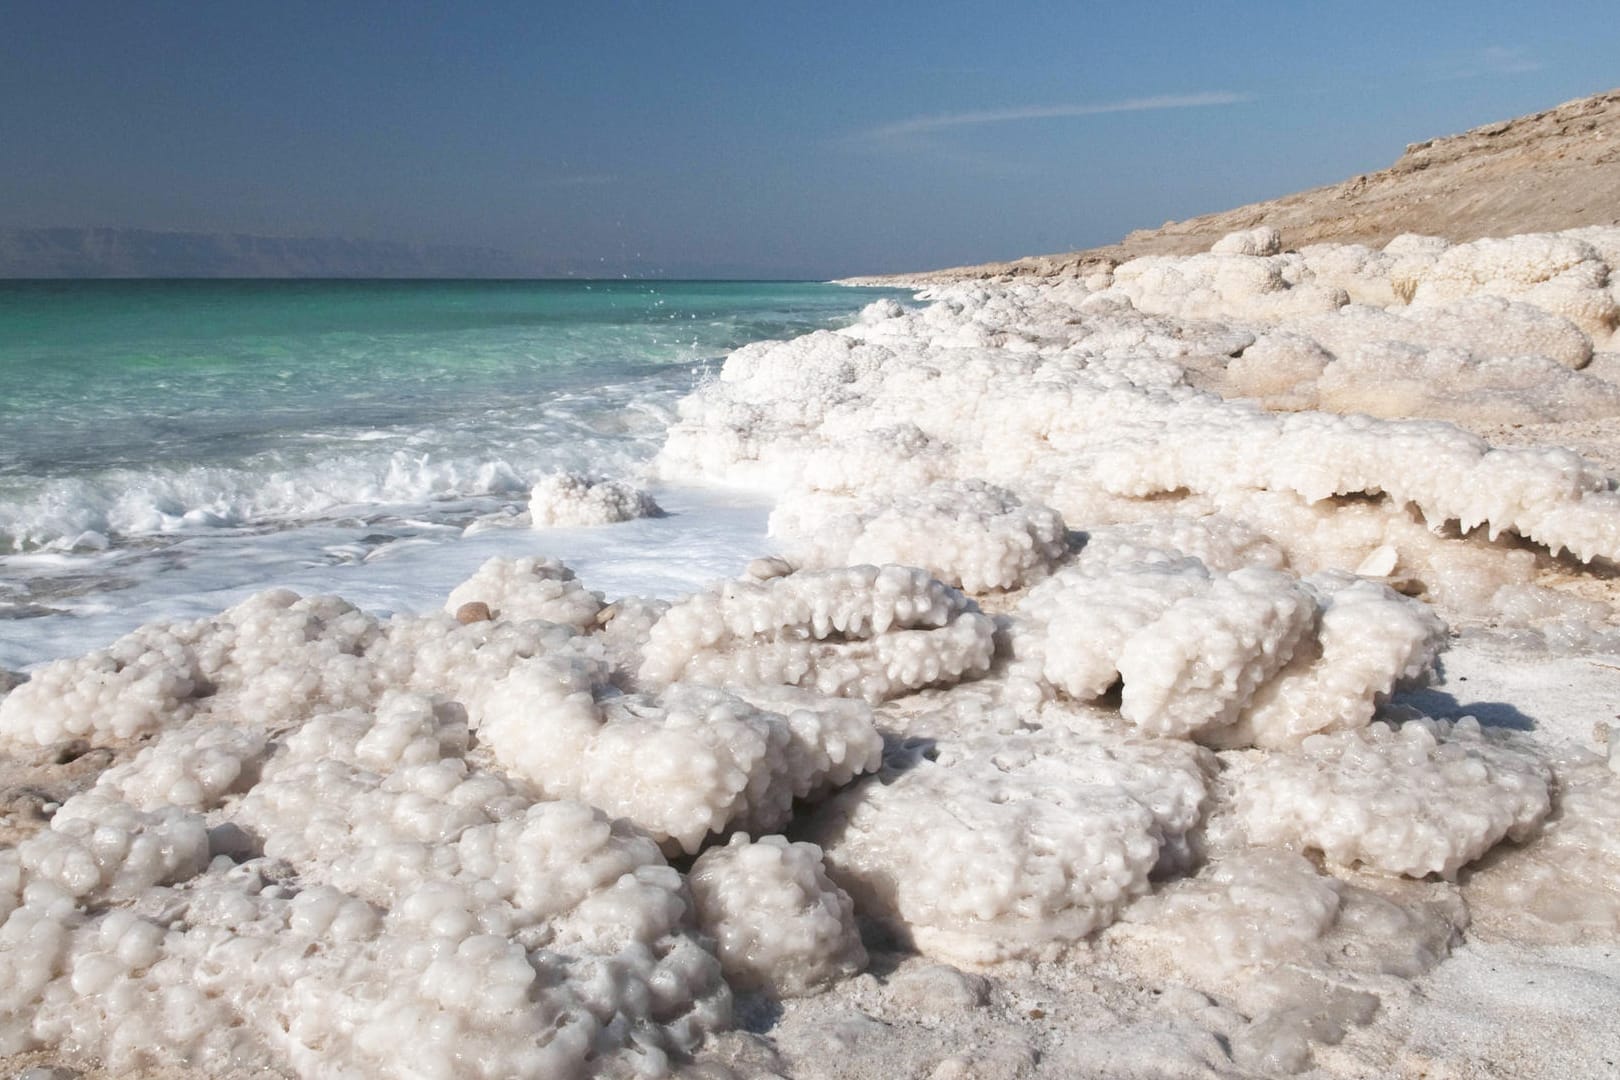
[[776, 139]]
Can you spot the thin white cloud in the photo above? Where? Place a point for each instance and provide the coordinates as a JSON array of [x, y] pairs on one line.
[[924, 125], [579, 180], [1493, 61]]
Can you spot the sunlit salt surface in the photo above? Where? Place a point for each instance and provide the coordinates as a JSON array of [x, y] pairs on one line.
[[1201, 718]]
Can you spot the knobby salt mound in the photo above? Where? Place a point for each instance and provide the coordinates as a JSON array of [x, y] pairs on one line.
[[1082, 664]]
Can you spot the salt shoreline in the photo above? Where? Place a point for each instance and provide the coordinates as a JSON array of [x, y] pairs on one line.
[[1168, 848]]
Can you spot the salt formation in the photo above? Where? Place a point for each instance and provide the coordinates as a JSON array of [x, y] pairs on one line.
[[1303, 954], [864, 632], [1425, 798], [971, 535], [315, 841], [1079, 400], [528, 588], [280, 658], [981, 850], [1566, 885], [683, 763], [1250, 657], [410, 914], [779, 924], [570, 499]]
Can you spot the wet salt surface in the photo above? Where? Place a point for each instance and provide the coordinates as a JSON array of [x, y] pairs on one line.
[[401, 566]]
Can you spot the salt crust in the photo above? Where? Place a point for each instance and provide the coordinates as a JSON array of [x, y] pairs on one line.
[[1305, 955], [1251, 657], [683, 763], [779, 923], [573, 499], [1565, 886], [972, 535], [1426, 797], [410, 914], [277, 658], [978, 850], [863, 631], [1077, 400]]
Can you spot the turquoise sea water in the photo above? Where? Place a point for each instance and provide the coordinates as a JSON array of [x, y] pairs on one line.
[[150, 427]]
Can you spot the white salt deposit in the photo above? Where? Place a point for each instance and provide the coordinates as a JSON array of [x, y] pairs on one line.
[[979, 851], [528, 588], [1078, 663], [572, 499], [1425, 798], [974, 536], [864, 632], [778, 922]]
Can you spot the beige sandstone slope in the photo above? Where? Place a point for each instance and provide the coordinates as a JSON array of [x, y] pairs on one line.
[[1551, 170]]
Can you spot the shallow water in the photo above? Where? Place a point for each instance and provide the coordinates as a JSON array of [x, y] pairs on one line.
[[173, 445]]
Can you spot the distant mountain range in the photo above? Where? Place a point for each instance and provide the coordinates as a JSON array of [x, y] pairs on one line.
[[116, 252]]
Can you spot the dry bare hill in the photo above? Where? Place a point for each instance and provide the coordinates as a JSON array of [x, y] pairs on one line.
[[1551, 170]]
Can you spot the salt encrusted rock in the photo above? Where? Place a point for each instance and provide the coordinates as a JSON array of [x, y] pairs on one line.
[[1265, 933], [571, 499], [1369, 640], [1253, 657], [412, 915], [1198, 665], [978, 851], [862, 631], [1558, 273], [99, 848], [1261, 240], [1425, 798], [683, 764], [779, 923], [1397, 380], [972, 535], [528, 588], [1089, 615]]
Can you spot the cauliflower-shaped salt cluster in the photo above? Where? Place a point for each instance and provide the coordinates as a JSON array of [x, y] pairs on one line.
[[1251, 657], [980, 851], [279, 659], [972, 535], [1427, 797], [411, 914], [276, 655], [566, 499], [528, 588], [779, 923], [863, 631], [684, 763], [1261, 240]]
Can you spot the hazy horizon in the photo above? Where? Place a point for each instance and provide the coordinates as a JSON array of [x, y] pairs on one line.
[[725, 140]]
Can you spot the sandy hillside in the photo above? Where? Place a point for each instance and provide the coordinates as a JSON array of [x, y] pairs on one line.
[[1551, 170]]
